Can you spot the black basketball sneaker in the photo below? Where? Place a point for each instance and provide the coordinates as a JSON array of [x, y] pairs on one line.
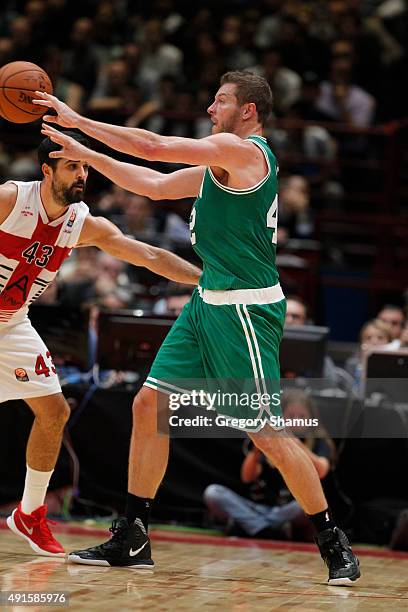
[[129, 546], [344, 567]]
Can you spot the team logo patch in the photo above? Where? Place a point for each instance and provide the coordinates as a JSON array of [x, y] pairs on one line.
[[72, 218], [26, 212], [21, 374]]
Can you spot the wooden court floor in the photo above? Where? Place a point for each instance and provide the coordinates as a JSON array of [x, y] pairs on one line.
[[204, 573]]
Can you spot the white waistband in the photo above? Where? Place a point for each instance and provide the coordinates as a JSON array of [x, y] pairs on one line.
[[266, 295]]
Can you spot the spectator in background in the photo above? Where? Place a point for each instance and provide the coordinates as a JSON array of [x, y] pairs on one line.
[[167, 99], [295, 216], [64, 89], [81, 61], [95, 279], [374, 333], [22, 42], [112, 285], [114, 92], [77, 277], [131, 53], [339, 98], [393, 316], [297, 315], [307, 105], [269, 25], [23, 167], [270, 511], [36, 13], [138, 218], [113, 201], [158, 57], [314, 141], [301, 51], [109, 28], [61, 14], [285, 83], [205, 51], [175, 300], [6, 50], [296, 311], [235, 55]]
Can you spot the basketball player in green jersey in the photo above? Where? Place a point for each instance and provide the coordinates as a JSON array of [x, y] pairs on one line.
[[232, 326]]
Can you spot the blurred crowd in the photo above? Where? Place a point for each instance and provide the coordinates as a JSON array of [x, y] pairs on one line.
[[157, 65], [132, 58]]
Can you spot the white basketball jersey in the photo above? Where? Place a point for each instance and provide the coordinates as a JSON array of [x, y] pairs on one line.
[[32, 249]]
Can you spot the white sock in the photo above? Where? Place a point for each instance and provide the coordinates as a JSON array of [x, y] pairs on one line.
[[35, 488]]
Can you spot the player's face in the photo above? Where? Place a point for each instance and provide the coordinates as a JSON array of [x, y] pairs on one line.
[[225, 111], [69, 181]]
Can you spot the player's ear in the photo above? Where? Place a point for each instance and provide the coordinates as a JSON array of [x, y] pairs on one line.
[[46, 169], [249, 110]]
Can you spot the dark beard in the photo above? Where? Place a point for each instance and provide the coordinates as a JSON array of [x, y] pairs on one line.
[[66, 195]]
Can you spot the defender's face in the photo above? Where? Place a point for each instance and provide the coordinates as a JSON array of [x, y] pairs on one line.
[[69, 181], [225, 110]]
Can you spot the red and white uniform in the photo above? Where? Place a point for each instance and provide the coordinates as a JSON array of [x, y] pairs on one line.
[[32, 249]]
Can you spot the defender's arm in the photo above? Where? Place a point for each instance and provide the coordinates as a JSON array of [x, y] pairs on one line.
[[98, 231]]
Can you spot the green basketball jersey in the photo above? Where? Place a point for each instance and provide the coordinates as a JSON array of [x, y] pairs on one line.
[[234, 230]]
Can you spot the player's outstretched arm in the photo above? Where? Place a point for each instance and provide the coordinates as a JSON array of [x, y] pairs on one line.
[[115, 136], [143, 181], [99, 232], [224, 150]]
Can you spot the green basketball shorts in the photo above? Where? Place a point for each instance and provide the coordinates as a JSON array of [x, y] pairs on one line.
[[228, 350]]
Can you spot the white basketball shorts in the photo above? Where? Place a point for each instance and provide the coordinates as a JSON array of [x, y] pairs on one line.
[[26, 367]]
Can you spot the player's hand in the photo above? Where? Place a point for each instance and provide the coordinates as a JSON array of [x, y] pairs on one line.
[[65, 117], [70, 148]]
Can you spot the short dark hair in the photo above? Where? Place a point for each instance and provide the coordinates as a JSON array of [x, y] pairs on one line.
[[46, 146], [251, 88]]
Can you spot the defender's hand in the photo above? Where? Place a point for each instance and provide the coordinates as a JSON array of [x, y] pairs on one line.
[[71, 149], [65, 116]]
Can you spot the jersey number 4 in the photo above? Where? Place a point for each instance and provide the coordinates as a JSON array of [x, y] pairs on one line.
[[30, 254], [272, 219], [41, 367]]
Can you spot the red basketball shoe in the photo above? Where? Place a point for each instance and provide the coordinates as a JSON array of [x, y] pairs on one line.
[[34, 528]]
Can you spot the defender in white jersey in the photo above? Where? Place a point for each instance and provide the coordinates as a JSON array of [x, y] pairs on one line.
[[40, 224]]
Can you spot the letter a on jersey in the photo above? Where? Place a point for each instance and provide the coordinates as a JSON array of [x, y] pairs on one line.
[[21, 284]]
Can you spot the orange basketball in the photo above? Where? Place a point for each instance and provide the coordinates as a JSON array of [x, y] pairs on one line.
[[18, 82]]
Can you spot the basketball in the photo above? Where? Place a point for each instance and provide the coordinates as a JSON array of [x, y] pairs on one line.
[[18, 82]]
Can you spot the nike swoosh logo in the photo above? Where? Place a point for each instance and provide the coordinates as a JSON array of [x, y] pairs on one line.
[[29, 531], [132, 552]]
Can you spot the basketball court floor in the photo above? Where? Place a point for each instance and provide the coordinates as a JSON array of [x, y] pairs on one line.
[[196, 572]]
